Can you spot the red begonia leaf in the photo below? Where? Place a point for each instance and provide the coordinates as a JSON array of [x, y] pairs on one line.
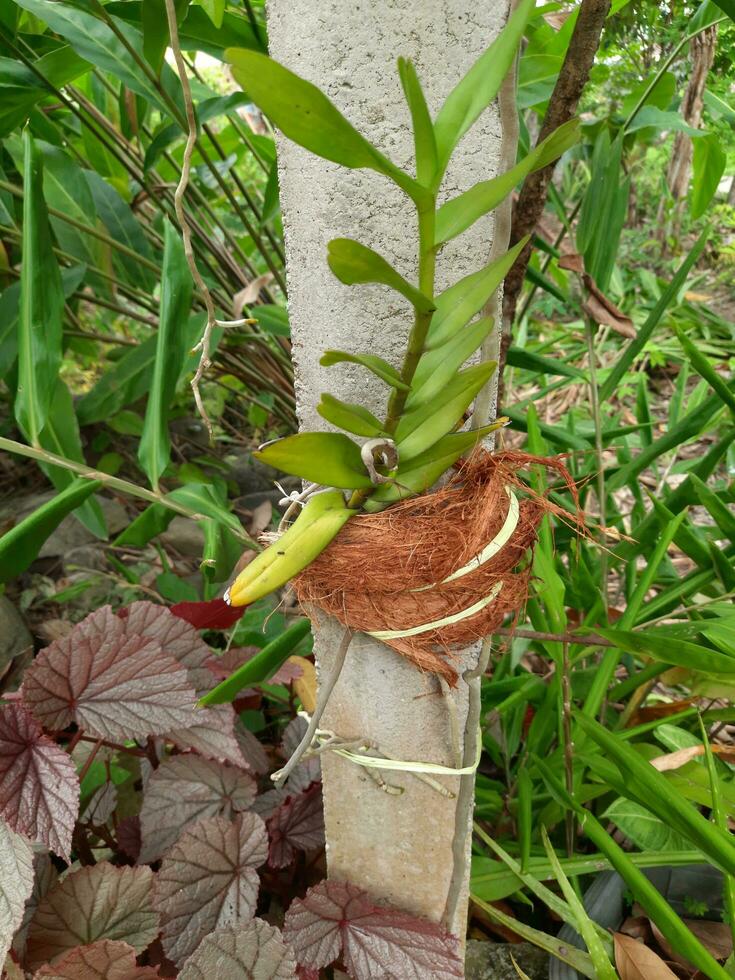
[[224, 664], [255, 951], [309, 770], [45, 877], [252, 751], [101, 805], [208, 879], [306, 973], [39, 788], [103, 960], [16, 883], [212, 615], [128, 836], [113, 683], [96, 902], [335, 918], [297, 824], [266, 804], [184, 789], [212, 734], [177, 638]]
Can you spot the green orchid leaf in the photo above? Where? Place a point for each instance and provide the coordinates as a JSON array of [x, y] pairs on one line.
[[423, 130], [329, 458], [436, 368], [474, 93], [458, 214], [353, 263], [459, 303], [348, 416], [680, 653], [305, 115], [421, 428], [418, 474], [373, 363]]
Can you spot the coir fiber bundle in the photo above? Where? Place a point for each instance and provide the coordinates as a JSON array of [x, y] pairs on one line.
[[441, 570]]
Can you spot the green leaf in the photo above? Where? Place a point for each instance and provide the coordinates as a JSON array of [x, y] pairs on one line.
[[436, 368], [460, 212], [175, 589], [22, 544], [273, 319], [644, 829], [215, 10], [419, 429], [459, 303], [222, 551], [204, 500], [656, 907], [704, 368], [651, 117], [176, 292], [352, 263], [634, 348], [373, 363], [719, 511], [604, 969], [680, 653], [423, 130], [517, 357], [21, 88], [261, 667], [306, 116], [41, 304], [708, 166], [329, 458], [93, 40], [474, 93], [418, 474], [147, 525], [348, 416], [60, 435]]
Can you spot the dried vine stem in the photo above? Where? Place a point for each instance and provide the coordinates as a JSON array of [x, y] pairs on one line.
[[204, 344]]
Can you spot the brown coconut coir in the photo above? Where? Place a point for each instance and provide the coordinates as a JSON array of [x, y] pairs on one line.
[[387, 571]]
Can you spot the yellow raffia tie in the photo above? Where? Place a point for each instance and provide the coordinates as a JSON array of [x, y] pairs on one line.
[[438, 623], [323, 736]]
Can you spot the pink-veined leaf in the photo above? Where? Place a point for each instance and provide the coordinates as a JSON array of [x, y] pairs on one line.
[[212, 615], [39, 788], [212, 735], [128, 836], [309, 770], [103, 960], [96, 902], [266, 804], [297, 824], [255, 951], [16, 883], [227, 663], [337, 918], [184, 789], [208, 879], [112, 683], [45, 877], [101, 805], [306, 973], [177, 638], [252, 751]]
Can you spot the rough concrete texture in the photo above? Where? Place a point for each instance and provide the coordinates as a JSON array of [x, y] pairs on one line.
[[397, 847]]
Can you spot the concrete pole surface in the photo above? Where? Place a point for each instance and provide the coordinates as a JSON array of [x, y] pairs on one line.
[[399, 848]]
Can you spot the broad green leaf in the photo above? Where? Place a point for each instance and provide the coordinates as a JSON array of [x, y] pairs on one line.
[[704, 368], [93, 40], [119, 220], [215, 10], [272, 319], [373, 363], [21, 88], [460, 212], [348, 416], [271, 200], [261, 667], [305, 115], [176, 292], [679, 652], [721, 512], [644, 829], [130, 378], [206, 502], [60, 436], [474, 93], [221, 553], [517, 357], [419, 429], [459, 303], [147, 525], [650, 117], [352, 263], [436, 368], [708, 165], [168, 133], [604, 205], [21, 545], [41, 304], [422, 472], [329, 458], [423, 130]]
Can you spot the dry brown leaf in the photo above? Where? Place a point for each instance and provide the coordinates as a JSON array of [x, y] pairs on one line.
[[675, 760], [716, 938], [636, 926], [572, 261], [634, 961], [249, 295], [305, 686], [604, 311], [663, 709]]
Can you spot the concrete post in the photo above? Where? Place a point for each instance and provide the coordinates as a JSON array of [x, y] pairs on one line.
[[397, 847]]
